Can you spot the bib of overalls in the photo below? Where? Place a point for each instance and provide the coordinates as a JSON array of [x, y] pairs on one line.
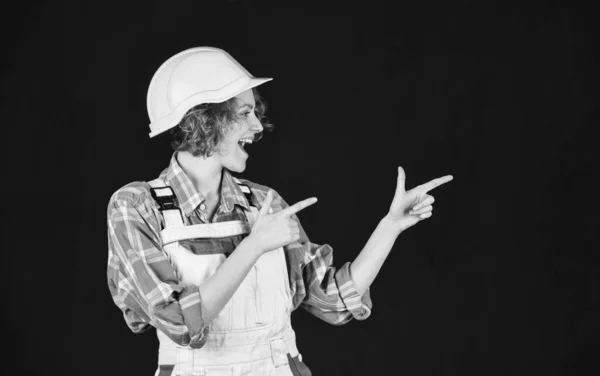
[[252, 334]]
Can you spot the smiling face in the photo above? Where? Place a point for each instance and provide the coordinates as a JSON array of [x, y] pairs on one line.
[[232, 154]]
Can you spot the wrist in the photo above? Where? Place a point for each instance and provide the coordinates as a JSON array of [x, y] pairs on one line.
[[393, 224], [251, 246]]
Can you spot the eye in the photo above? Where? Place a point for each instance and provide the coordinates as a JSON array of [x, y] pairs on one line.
[[246, 113]]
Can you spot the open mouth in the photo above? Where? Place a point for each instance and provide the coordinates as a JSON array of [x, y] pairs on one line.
[[243, 142]]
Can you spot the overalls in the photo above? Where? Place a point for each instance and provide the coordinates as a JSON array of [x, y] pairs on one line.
[[252, 335]]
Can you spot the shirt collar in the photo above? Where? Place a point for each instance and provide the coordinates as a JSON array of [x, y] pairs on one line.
[[189, 198], [231, 193]]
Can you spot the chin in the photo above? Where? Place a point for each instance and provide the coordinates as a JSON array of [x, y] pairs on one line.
[[237, 167], [234, 162]]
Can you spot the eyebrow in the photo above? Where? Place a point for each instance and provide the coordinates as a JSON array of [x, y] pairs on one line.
[[245, 105]]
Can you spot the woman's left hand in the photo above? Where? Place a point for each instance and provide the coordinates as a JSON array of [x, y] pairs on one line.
[[410, 207]]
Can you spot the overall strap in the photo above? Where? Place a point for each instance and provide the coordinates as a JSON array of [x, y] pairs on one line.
[[205, 231], [175, 230], [245, 190], [165, 197]]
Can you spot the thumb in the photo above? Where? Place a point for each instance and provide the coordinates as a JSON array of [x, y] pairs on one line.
[[400, 186], [266, 204]]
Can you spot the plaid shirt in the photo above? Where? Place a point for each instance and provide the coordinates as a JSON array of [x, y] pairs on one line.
[[143, 283]]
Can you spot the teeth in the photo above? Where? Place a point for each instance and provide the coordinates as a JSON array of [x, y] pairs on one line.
[[244, 141]]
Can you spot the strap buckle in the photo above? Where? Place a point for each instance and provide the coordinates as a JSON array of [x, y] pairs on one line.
[[246, 191], [165, 202]]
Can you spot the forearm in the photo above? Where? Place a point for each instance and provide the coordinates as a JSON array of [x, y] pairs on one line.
[[367, 264], [220, 287]]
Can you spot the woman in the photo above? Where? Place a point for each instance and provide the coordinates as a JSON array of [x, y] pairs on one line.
[[218, 264]]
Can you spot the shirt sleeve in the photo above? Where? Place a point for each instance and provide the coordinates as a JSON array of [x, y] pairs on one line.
[[320, 288], [142, 281]]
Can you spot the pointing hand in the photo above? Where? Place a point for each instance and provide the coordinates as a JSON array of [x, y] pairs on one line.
[[408, 208], [271, 231]]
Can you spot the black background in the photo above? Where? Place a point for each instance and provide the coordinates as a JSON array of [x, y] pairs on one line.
[[502, 280]]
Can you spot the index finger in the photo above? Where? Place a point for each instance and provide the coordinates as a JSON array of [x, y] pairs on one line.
[[424, 188], [266, 205], [298, 206]]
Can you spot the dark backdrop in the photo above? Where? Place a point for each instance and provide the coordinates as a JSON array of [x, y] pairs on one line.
[[502, 280]]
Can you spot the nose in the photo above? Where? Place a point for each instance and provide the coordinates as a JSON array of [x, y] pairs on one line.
[[256, 125]]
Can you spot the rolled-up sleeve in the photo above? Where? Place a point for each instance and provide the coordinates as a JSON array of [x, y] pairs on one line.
[[329, 293], [320, 288], [142, 281]]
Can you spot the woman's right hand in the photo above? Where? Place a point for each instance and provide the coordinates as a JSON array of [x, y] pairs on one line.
[[271, 231]]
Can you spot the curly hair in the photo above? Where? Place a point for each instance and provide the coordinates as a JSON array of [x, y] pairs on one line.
[[204, 126]]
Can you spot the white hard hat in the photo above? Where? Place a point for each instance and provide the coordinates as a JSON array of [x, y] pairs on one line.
[[194, 76]]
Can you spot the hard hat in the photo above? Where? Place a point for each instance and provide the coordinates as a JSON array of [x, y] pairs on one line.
[[194, 76]]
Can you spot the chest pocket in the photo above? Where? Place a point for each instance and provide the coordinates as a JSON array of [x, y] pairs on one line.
[[211, 246], [197, 251]]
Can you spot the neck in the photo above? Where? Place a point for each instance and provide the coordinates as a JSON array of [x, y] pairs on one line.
[[205, 173]]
